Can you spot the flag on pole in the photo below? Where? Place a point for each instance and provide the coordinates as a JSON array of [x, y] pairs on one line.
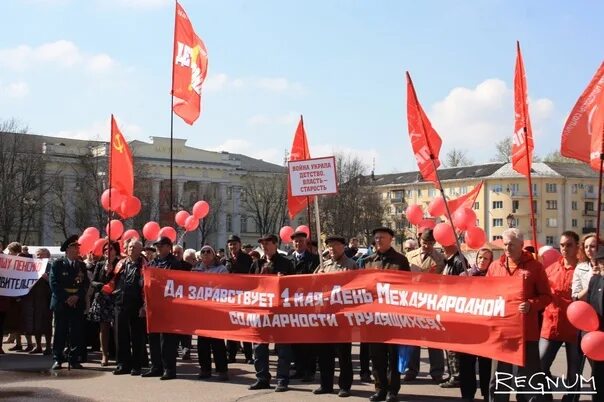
[[121, 172], [298, 152], [466, 200], [596, 130], [578, 131], [189, 68], [522, 144], [425, 141]]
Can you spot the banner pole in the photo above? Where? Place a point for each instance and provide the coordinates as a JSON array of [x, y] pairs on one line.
[[172, 121], [109, 165], [530, 185], [318, 223], [599, 198]]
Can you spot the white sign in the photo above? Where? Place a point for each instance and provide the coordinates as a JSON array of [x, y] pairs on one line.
[[313, 177], [19, 274]]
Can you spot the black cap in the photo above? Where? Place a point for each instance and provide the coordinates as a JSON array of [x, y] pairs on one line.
[[234, 239], [335, 238], [268, 237], [383, 229], [600, 253], [428, 235], [163, 241], [299, 234], [248, 246], [71, 240]]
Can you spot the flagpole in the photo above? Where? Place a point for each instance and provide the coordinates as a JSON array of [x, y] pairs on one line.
[[172, 121], [110, 186], [308, 213], [600, 190]]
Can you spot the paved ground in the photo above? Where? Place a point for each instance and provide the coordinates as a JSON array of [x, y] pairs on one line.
[[25, 377]]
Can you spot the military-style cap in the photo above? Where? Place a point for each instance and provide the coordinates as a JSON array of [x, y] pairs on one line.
[[384, 229], [339, 239], [163, 241], [71, 240], [299, 234], [234, 239], [268, 237]]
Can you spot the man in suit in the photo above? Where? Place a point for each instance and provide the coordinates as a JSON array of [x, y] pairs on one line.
[[595, 297], [68, 284], [305, 262]]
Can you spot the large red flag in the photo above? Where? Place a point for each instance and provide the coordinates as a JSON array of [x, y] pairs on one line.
[[189, 68], [576, 141], [425, 141], [596, 130], [522, 144], [299, 152], [121, 172], [466, 200]]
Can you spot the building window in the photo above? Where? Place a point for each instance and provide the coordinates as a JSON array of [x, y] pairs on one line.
[[229, 193], [243, 224], [551, 204], [589, 188], [589, 206], [550, 187], [549, 240], [476, 205], [589, 223], [515, 205], [514, 188], [229, 223], [399, 209], [497, 222], [432, 192], [496, 188], [573, 223], [573, 205], [551, 222], [419, 192], [463, 190], [497, 204], [575, 188], [535, 206], [497, 238]]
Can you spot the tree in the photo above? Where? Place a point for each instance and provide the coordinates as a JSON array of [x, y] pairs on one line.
[[457, 157], [503, 151], [555, 156], [265, 200]]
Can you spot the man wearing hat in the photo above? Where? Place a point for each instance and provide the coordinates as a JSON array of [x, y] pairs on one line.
[[426, 259], [238, 262], [272, 263], [338, 261], [68, 284], [305, 262], [384, 356], [164, 346]]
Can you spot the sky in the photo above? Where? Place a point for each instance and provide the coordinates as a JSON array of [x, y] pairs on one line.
[[66, 65]]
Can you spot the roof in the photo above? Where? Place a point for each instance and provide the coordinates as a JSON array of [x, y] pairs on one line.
[[462, 172], [573, 170], [258, 165]]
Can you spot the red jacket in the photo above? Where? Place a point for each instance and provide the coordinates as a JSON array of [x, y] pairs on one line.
[[556, 326], [536, 288]]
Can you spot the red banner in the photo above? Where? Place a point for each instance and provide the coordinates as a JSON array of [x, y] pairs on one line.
[[299, 151], [466, 314], [466, 200], [522, 144], [121, 166]]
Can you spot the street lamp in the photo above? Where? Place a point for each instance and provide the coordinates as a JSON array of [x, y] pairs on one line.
[[511, 220]]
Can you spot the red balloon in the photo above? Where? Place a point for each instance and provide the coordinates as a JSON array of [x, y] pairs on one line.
[[151, 230], [444, 234], [86, 244], [285, 233], [191, 223], [130, 234], [169, 232], [92, 232], [414, 214], [583, 316], [181, 217], [114, 229], [464, 218], [116, 199], [201, 209], [303, 228], [475, 237], [549, 257], [130, 207], [97, 249], [437, 207], [426, 224], [591, 344]]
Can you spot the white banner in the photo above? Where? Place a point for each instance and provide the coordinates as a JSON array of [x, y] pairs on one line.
[[313, 176], [19, 274]]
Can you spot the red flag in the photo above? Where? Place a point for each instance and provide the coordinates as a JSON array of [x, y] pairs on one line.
[[466, 200], [121, 173], [425, 141], [576, 141], [596, 130], [189, 68], [522, 144], [299, 152]]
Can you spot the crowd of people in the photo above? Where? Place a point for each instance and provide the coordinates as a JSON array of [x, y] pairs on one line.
[[99, 304]]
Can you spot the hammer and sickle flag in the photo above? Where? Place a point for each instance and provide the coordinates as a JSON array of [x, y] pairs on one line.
[[121, 173], [189, 68]]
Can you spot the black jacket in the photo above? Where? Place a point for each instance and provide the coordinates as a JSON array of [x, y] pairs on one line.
[[170, 262], [391, 259], [307, 264], [67, 281], [278, 264], [128, 293], [454, 265], [241, 264], [595, 297]]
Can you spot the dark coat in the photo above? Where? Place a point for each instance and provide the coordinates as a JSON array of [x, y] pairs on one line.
[[456, 264], [241, 264], [391, 259], [278, 264], [66, 281], [307, 264], [170, 262], [595, 297]]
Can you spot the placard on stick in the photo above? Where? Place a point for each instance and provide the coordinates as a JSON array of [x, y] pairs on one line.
[[313, 176]]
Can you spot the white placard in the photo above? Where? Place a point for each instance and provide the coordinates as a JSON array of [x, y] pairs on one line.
[[313, 176]]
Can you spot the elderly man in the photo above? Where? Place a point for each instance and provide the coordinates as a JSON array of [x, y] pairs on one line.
[[515, 262], [338, 261], [409, 245], [383, 356], [129, 310], [68, 284], [272, 263], [426, 259]]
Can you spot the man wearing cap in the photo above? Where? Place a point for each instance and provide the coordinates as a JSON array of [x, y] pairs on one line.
[[238, 262], [164, 346], [272, 263], [305, 262], [383, 356], [68, 284], [426, 259], [338, 262]]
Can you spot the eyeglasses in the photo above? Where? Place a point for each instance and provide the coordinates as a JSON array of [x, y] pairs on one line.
[[206, 251]]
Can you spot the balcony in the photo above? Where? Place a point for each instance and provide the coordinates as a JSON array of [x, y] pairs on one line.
[[591, 195], [397, 200], [590, 213], [522, 194]]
